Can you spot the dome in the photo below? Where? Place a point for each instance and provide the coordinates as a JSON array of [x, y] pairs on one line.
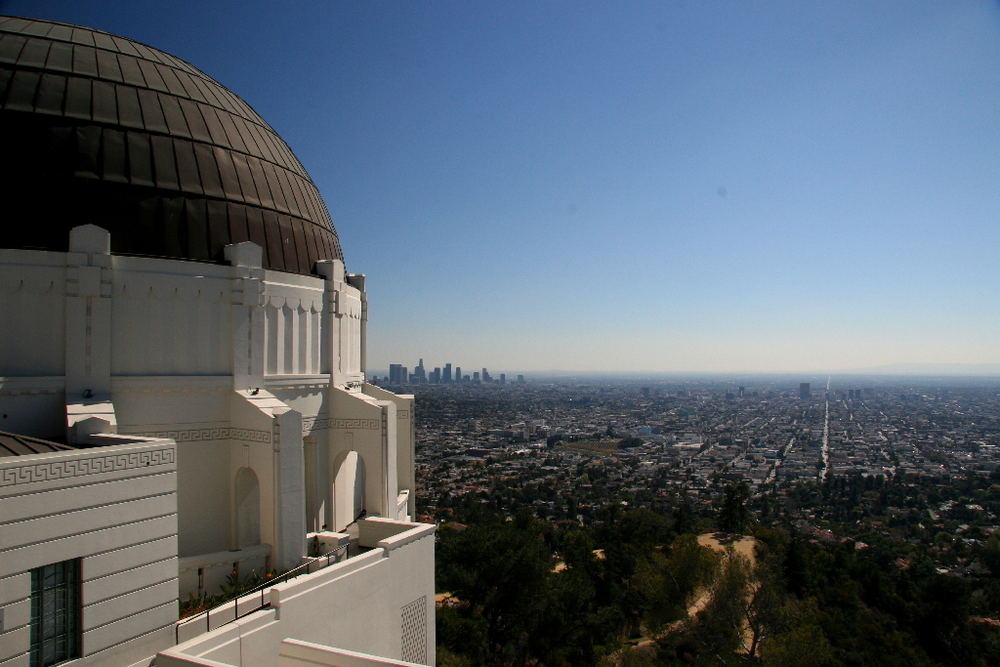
[[100, 129]]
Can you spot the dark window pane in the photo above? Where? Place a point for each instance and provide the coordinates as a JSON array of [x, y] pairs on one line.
[[107, 65], [78, 97], [34, 53], [113, 157], [42, 29], [246, 180], [146, 53], [262, 144], [164, 165], [124, 45], [129, 112], [62, 32], [275, 248], [104, 42], [270, 174], [105, 106], [14, 23], [227, 170], [255, 227], [130, 71], [214, 126], [218, 229], [325, 251], [259, 182], [10, 47], [308, 199], [238, 223], [245, 136], [169, 78], [231, 132], [291, 193], [226, 100], [54, 613], [153, 79], [21, 91], [195, 123], [172, 212], [5, 77], [311, 250], [301, 253], [187, 166], [82, 36], [140, 159], [197, 230], [51, 92], [175, 118], [152, 115], [208, 170], [88, 149], [207, 90], [60, 57], [84, 60], [266, 140], [192, 90]]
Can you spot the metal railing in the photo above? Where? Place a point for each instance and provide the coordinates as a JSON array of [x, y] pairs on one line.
[[250, 597]]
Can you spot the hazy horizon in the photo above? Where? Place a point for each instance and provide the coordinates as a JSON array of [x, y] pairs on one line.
[[890, 370], [687, 187]]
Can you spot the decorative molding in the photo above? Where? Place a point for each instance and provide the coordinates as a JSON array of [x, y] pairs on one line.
[[312, 424], [64, 468], [402, 414], [211, 433], [413, 631], [355, 424]]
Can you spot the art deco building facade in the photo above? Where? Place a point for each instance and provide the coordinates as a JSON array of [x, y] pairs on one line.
[[182, 387]]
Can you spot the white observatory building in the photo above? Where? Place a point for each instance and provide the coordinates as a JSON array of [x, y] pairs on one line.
[[183, 401]]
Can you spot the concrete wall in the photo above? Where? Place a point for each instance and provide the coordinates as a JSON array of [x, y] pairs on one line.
[[114, 507], [295, 653], [242, 367], [380, 603], [405, 442]]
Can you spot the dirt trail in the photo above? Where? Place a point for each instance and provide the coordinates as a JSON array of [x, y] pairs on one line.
[[743, 545]]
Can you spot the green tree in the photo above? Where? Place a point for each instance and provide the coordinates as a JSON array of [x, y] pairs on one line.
[[733, 514]]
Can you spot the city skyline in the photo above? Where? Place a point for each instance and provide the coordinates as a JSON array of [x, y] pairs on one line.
[[670, 187]]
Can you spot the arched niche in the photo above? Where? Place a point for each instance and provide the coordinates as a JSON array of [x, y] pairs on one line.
[[247, 508], [348, 488]]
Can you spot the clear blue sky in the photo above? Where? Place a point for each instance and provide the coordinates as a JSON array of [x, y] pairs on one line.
[[667, 186]]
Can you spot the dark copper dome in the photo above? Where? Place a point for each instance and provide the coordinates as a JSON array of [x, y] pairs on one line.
[[95, 128]]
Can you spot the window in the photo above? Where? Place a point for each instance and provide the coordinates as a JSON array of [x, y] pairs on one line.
[[55, 613]]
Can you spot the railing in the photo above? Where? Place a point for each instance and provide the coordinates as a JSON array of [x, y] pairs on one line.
[[250, 596]]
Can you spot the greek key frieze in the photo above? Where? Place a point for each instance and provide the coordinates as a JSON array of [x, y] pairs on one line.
[[310, 424], [213, 433], [356, 424], [45, 471]]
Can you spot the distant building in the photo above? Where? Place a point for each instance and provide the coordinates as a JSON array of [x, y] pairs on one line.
[[458, 374], [446, 375], [475, 377], [486, 375], [503, 378], [520, 379], [805, 393], [397, 374]]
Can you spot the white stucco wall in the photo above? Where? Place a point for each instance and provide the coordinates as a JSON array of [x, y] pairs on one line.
[[114, 507], [380, 603], [244, 368]]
